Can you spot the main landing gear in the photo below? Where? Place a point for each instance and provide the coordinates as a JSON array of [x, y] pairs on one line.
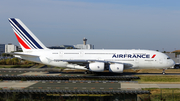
[[163, 72], [88, 72]]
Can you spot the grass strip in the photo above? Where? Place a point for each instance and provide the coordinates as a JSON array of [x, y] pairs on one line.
[[16, 66], [156, 78], [165, 94]]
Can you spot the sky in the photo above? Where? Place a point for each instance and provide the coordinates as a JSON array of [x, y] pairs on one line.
[[107, 24]]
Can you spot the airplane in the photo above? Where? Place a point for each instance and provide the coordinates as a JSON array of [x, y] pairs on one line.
[[92, 60]]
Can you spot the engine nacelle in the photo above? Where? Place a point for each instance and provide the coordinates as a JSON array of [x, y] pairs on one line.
[[96, 66], [117, 68]]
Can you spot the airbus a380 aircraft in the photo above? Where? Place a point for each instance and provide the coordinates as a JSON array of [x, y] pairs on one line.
[[91, 60]]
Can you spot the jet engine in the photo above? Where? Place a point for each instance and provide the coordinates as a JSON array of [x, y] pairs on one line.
[[96, 66], [117, 68]]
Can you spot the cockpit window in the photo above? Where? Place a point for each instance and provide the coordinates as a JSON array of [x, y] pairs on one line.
[[168, 57]]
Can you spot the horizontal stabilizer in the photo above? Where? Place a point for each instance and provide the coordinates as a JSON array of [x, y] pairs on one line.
[[23, 54]]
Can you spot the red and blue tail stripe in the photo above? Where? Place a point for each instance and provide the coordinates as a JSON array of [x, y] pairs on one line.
[[21, 37], [22, 42], [25, 37]]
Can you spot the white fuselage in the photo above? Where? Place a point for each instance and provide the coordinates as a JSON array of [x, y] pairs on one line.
[[134, 59]]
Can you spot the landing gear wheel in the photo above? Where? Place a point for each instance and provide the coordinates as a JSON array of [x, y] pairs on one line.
[[163, 72], [86, 72]]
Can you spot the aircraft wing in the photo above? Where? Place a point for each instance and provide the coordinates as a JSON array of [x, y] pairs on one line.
[[86, 62]]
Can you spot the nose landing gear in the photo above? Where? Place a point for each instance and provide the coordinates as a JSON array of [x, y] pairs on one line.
[[163, 72]]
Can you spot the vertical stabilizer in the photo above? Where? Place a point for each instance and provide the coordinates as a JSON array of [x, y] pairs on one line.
[[26, 38]]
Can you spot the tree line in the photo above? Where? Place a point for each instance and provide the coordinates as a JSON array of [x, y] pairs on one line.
[[15, 61]]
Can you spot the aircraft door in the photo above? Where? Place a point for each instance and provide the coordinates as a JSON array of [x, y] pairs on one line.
[[160, 61], [61, 54], [81, 53], [136, 61]]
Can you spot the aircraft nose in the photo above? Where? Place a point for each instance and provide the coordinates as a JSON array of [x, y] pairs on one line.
[[172, 63]]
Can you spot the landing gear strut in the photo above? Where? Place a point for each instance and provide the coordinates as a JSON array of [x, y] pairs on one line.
[[163, 72], [88, 72]]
